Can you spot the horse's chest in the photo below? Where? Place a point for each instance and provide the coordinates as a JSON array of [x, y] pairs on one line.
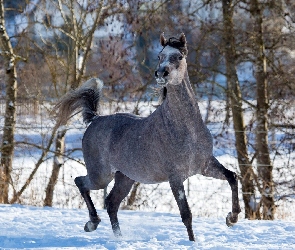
[[189, 148], [183, 140]]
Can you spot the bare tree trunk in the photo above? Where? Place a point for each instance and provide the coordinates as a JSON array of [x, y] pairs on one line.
[[264, 166], [133, 194], [235, 96], [77, 60], [7, 146], [59, 153], [57, 164]]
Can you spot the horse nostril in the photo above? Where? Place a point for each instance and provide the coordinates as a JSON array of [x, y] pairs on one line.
[[156, 74], [166, 73]]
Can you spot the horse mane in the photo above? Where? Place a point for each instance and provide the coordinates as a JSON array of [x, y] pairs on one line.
[[177, 44]]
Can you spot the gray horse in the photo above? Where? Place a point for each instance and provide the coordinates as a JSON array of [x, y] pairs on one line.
[[171, 144]]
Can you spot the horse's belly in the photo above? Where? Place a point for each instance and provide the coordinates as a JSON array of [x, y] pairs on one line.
[[142, 172], [149, 178], [152, 169]]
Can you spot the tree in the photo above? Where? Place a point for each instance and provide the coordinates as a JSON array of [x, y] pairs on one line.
[[65, 48], [264, 166], [7, 146], [235, 96], [79, 31]]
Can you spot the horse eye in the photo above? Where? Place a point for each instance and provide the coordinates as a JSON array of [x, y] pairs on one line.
[[158, 57], [180, 57]]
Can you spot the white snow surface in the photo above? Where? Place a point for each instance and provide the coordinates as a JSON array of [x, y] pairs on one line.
[[28, 227]]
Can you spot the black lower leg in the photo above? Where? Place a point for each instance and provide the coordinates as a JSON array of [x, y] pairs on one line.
[[232, 179], [185, 212], [218, 171], [93, 216], [112, 210], [187, 221], [120, 190]]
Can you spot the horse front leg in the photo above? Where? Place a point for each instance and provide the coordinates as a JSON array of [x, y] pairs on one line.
[[216, 170], [185, 212], [232, 179], [91, 225]]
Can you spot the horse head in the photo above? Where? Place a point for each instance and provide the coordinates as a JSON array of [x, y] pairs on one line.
[[172, 60]]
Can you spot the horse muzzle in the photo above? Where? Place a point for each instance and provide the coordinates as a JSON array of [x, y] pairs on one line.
[[161, 80], [161, 75]]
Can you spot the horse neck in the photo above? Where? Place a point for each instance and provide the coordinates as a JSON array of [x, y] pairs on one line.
[[180, 104]]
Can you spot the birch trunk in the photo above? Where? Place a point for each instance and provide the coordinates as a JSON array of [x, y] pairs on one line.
[[7, 146]]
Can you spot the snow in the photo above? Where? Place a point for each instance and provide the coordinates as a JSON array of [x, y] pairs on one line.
[[24, 227]]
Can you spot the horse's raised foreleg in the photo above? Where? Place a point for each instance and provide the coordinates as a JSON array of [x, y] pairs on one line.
[[232, 179], [120, 190], [81, 183], [185, 212], [218, 171]]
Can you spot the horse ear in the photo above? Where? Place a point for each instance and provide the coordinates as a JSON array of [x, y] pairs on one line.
[[163, 40], [182, 38]]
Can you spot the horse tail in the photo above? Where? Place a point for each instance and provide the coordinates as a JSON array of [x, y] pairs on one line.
[[86, 97]]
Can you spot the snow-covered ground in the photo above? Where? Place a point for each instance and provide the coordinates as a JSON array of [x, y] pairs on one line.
[[25, 227]]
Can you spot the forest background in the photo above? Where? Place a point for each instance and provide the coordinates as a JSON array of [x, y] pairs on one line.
[[241, 57]]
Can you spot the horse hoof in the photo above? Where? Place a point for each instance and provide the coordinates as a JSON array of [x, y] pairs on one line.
[[117, 233], [90, 226], [231, 219], [192, 238]]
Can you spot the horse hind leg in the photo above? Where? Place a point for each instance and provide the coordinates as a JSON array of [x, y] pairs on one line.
[[120, 190], [216, 170], [84, 185]]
